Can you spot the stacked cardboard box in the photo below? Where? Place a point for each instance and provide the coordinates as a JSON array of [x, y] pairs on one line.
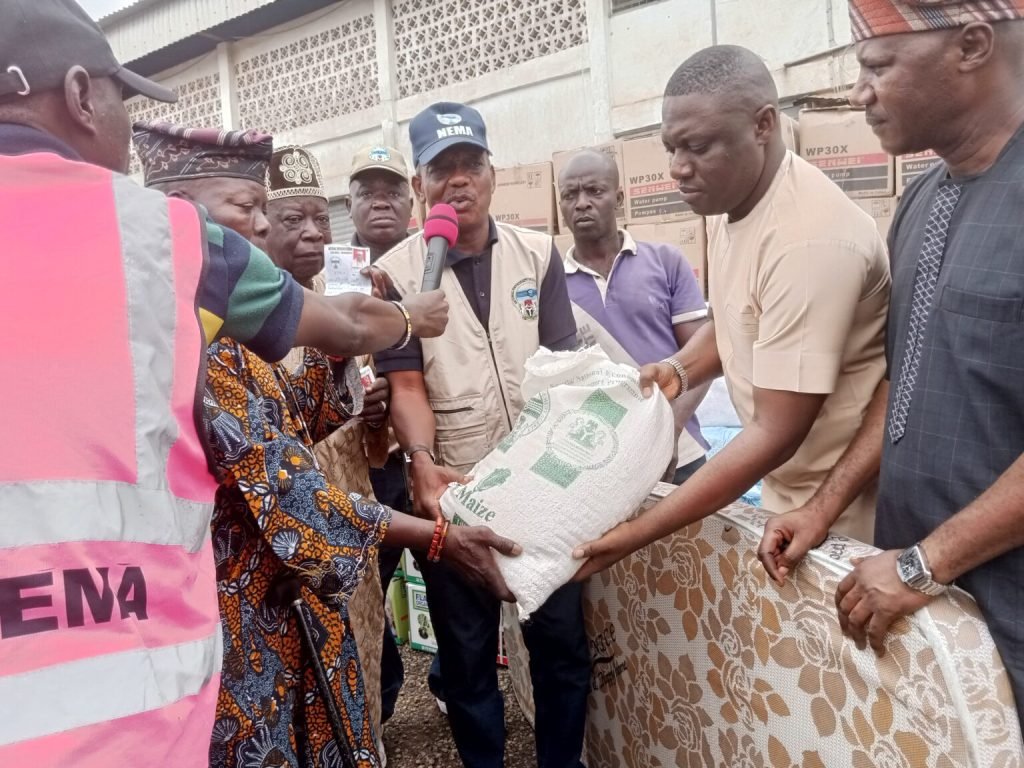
[[407, 597], [655, 210], [397, 609], [652, 196], [909, 167], [563, 243], [524, 196], [790, 132], [690, 237], [839, 141], [418, 215], [881, 209], [411, 568], [409, 612], [421, 630]]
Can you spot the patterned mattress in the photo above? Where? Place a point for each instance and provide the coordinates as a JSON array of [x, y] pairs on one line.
[[701, 660]]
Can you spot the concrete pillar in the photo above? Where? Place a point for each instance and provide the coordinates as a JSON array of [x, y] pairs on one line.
[[387, 75], [228, 91], [598, 31]]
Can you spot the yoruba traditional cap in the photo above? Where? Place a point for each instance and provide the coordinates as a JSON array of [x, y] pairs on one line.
[[443, 125], [377, 157], [40, 40], [294, 172], [875, 18], [175, 153]]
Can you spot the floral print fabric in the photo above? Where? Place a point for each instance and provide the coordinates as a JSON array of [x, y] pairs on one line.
[[279, 526], [701, 659]]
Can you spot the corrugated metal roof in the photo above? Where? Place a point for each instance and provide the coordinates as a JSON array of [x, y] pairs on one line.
[[126, 9], [151, 36], [149, 25]]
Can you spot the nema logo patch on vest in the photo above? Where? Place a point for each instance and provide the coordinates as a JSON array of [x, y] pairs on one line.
[[524, 296]]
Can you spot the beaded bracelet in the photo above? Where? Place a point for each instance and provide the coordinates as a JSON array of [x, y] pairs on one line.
[[435, 541], [438, 542], [407, 336], [444, 539]]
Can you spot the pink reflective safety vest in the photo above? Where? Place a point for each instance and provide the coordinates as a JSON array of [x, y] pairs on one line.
[[109, 636]]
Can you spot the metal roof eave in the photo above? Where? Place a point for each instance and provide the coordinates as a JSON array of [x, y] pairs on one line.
[[265, 14]]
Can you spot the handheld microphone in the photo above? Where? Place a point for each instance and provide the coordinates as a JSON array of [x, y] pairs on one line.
[[440, 230]]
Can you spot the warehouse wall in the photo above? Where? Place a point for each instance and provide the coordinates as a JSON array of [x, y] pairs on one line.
[[646, 44], [547, 74]]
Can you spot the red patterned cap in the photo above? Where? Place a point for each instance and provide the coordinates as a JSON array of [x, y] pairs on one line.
[[875, 18]]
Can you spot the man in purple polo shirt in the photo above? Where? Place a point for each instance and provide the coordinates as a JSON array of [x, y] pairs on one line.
[[639, 301]]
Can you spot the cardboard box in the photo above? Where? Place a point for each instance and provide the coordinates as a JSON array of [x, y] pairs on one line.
[[882, 210], [909, 167], [559, 159], [397, 608], [841, 143], [419, 215], [690, 237], [412, 571], [563, 243], [651, 194], [790, 132], [524, 196], [421, 631]]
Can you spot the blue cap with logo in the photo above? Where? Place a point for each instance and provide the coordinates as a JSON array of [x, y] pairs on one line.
[[444, 125]]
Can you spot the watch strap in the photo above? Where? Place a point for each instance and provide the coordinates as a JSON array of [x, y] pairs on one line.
[[921, 578], [419, 448]]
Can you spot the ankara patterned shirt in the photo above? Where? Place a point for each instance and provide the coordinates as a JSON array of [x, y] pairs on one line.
[[277, 520]]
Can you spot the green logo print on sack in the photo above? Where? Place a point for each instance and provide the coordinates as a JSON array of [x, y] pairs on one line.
[[471, 502], [581, 440], [534, 413]]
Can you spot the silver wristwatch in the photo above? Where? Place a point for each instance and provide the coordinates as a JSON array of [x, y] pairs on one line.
[[684, 379], [913, 570]]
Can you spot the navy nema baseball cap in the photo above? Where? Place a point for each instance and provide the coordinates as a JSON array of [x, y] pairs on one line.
[[445, 125]]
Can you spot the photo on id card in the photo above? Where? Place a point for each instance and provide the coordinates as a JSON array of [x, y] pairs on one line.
[[343, 265]]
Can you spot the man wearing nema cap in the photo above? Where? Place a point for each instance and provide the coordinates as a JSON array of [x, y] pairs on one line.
[[106, 568], [947, 450], [452, 402]]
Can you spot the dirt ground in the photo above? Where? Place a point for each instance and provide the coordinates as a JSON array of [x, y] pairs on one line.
[[417, 736]]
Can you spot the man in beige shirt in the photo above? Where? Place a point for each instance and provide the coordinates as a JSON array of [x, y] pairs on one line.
[[799, 288]]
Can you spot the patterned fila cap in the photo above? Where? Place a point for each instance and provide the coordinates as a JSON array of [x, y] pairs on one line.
[[875, 18]]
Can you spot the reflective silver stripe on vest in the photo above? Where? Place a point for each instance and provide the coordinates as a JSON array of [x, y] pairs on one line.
[[149, 282], [100, 511], [104, 688]]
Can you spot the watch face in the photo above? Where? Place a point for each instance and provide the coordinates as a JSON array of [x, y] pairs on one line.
[[908, 565]]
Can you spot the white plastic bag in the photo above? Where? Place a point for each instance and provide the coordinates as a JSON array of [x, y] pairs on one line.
[[584, 454]]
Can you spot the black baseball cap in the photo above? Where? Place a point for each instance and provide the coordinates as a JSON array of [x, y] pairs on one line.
[[445, 125], [40, 40]]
